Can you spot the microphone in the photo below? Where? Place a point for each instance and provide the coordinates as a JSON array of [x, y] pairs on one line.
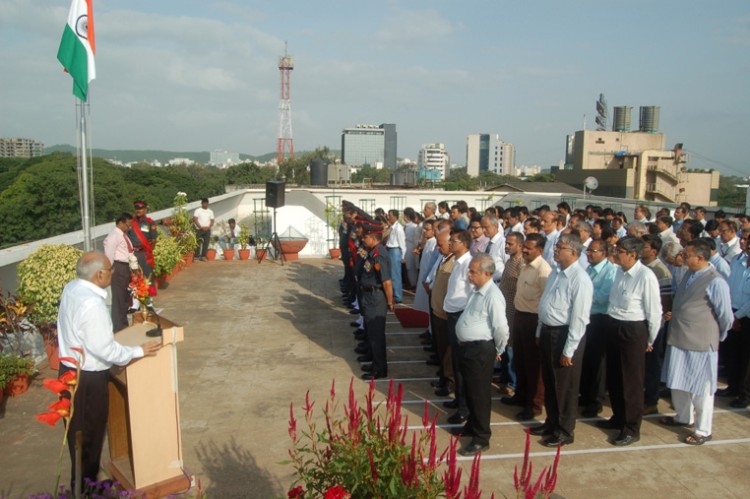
[[157, 331]]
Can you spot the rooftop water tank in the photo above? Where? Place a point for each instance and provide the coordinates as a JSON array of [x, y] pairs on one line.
[[621, 119], [649, 119]]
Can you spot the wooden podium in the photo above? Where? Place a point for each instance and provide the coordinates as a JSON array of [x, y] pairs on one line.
[[145, 445]]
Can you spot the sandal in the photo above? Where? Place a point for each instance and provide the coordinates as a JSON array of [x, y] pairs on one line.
[[671, 421], [695, 439]]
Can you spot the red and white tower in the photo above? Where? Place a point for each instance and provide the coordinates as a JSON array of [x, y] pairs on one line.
[[285, 147]]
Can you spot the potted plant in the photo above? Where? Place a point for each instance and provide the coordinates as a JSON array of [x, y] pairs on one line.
[[15, 373], [182, 228], [334, 218], [212, 247], [167, 257], [244, 240], [42, 277]]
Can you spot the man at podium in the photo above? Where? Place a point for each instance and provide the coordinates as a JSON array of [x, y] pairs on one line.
[[85, 322]]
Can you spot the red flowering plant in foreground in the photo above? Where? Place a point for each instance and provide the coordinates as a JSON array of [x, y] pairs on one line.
[[65, 388], [545, 484], [366, 453]]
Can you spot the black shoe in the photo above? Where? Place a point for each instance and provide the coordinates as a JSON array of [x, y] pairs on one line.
[[591, 411], [432, 362], [541, 431], [740, 403], [462, 431], [132, 310], [608, 424], [359, 330], [525, 416], [727, 392], [354, 324], [472, 449], [623, 440], [367, 368], [364, 358], [442, 391], [369, 376], [435, 383], [427, 342], [451, 404], [424, 335], [354, 311], [360, 336], [361, 350], [555, 440], [456, 418], [512, 401]]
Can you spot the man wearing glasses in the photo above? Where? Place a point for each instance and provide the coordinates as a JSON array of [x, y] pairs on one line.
[[593, 376], [730, 243], [564, 311], [635, 318]]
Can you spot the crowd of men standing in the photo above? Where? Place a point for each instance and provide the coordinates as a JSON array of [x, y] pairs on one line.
[[566, 306]]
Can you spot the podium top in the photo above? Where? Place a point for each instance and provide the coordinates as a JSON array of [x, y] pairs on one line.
[[135, 335]]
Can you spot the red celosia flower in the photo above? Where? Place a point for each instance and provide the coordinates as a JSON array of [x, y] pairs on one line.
[[49, 417], [292, 423], [296, 493], [337, 492]]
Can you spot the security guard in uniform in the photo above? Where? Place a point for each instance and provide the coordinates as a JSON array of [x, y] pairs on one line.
[[377, 298]]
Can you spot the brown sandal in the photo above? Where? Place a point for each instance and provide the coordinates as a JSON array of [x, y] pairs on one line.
[[695, 439], [671, 421]]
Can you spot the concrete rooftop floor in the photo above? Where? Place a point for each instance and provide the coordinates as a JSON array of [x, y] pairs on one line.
[[258, 336]]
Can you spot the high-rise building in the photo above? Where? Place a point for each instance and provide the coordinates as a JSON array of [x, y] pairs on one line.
[[433, 162], [371, 145], [223, 159], [487, 153], [14, 147]]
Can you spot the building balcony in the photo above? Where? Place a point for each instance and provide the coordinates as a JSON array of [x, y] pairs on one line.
[[664, 172]]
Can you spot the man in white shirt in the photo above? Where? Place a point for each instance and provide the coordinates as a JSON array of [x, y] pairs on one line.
[[550, 232], [584, 230], [203, 218], [730, 243], [635, 313], [84, 322], [454, 303], [564, 311], [481, 333], [118, 248], [396, 246], [496, 245]]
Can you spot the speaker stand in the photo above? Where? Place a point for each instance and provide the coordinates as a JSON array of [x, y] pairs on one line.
[[274, 243]]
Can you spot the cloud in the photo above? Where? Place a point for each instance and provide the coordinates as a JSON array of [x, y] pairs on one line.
[[413, 27]]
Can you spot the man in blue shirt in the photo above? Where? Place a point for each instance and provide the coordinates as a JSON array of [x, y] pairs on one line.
[[738, 343]]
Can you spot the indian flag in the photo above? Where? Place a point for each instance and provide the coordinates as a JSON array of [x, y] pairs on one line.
[[77, 47]]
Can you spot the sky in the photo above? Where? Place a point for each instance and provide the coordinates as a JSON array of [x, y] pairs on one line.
[[194, 75]]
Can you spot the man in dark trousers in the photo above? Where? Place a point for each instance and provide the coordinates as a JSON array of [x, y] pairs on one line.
[[564, 311], [84, 322], [377, 298], [118, 248]]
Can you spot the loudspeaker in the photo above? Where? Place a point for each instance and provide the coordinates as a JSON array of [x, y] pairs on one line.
[[275, 193]]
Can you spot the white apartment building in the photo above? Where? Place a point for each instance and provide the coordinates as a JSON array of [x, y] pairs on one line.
[[433, 162], [486, 152]]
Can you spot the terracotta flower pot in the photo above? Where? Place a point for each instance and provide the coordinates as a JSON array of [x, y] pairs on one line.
[[187, 259], [161, 281], [53, 355], [211, 254], [17, 385], [229, 254], [244, 254], [335, 253]]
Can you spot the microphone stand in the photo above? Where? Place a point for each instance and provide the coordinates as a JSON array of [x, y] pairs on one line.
[[157, 331]]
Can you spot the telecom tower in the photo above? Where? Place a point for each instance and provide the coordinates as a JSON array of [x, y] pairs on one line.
[[285, 146]]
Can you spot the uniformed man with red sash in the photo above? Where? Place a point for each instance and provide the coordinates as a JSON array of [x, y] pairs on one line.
[[143, 236]]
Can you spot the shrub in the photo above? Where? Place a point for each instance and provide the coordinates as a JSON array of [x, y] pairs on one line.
[[42, 277]]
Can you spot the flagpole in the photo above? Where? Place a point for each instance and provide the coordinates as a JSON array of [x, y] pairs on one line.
[[84, 182]]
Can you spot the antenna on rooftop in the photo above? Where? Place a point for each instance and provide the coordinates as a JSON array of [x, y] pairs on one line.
[[285, 146], [602, 114]]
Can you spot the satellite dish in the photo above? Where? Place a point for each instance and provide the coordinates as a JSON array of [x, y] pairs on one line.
[[591, 183]]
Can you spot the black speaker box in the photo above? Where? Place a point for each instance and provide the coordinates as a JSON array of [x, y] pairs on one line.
[[275, 193]]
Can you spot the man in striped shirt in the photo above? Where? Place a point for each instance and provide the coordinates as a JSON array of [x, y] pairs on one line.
[[700, 318]]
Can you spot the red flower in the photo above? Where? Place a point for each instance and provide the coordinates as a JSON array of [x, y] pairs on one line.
[[49, 417], [55, 385], [69, 378], [337, 492], [296, 493], [62, 407], [151, 291]]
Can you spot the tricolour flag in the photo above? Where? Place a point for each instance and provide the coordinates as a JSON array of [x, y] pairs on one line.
[[77, 47]]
